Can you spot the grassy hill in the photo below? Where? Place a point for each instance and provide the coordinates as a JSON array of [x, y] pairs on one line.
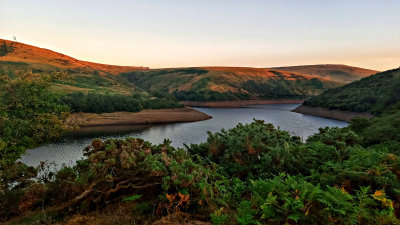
[[338, 73], [375, 94], [229, 83]]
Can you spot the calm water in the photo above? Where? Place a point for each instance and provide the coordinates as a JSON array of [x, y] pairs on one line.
[[70, 148]]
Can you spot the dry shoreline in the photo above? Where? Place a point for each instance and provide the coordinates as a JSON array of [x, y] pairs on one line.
[[185, 114], [239, 103], [330, 113]]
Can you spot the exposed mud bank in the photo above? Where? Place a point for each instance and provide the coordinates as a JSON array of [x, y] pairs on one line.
[[330, 113], [186, 114], [239, 103]]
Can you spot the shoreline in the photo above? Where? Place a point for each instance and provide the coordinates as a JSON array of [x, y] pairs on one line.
[[239, 103], [147, 116], [346, 116]]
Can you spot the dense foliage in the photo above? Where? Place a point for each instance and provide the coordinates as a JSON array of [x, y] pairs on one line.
[[250, 174], [30, 113], [375, 94], [244, 150]]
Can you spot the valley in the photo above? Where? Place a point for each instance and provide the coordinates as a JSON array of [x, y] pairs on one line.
[[202, 84], [262, 142]]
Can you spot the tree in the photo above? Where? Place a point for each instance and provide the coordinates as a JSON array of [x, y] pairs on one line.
[[29, 113]]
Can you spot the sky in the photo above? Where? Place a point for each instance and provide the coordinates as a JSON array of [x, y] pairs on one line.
[[178, 33]]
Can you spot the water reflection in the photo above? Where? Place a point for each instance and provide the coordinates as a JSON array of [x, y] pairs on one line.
[[104, 131]]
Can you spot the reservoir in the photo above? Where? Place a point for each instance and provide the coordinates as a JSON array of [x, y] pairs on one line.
[[69, 149]]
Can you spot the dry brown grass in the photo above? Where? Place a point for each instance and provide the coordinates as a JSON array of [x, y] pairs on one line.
[[338, 73]]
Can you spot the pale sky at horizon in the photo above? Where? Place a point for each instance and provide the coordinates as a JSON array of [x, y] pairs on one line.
[[162, 33]]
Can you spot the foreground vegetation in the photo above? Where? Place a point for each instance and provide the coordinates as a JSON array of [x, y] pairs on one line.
[[250, 174]]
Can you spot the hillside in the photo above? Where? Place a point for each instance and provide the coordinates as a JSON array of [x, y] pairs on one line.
[[186, 84], [375, 94], [338, 73], [229, 83], [34, 55], [86, 76]]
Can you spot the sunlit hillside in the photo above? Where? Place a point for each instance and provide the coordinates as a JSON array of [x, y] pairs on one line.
[[86, 76], [338, 73], [195, 84], [229, 83]]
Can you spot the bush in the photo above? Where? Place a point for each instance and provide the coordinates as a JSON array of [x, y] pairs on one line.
[[5, 49], [244, 150]]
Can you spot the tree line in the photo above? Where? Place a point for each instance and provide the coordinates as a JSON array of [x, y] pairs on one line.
[[100, 103]]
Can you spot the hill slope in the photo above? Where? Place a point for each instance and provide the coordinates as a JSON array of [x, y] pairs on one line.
[[338, 73], [375, 94], [30, 54], [229, 83], [86, 76]]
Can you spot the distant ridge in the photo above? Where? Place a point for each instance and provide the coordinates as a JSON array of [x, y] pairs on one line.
[[229, 83], [335, 72]]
